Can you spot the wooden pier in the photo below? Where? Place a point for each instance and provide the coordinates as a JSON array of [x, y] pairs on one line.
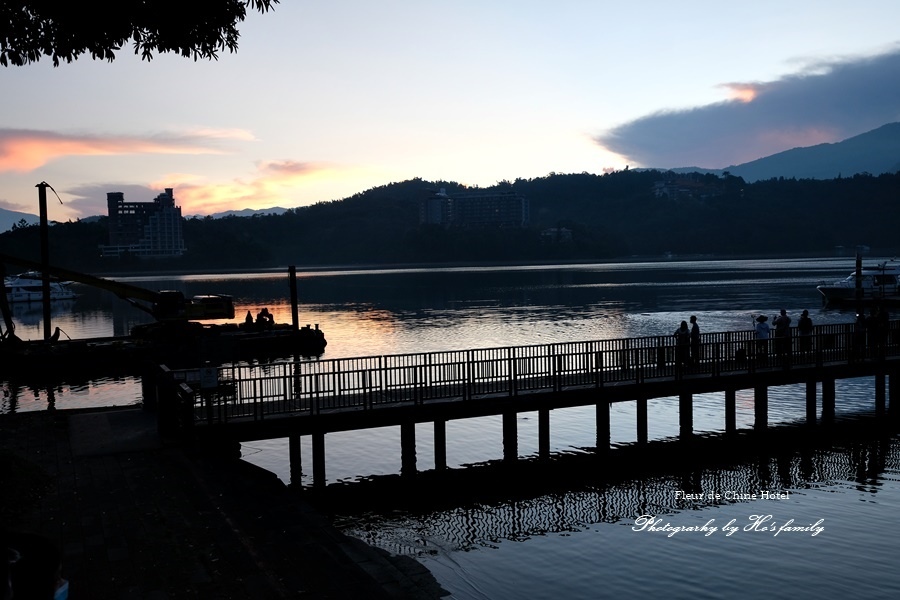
[[241, 403]]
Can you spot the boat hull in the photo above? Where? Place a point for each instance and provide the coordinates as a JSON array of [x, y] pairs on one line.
[[29, 287], [875, 284], [178, 348]]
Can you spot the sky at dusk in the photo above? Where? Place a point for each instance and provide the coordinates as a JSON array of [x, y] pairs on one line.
[[325, 100]]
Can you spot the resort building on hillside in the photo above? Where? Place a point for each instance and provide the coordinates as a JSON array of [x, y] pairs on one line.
[[483, 208], [144, 229]]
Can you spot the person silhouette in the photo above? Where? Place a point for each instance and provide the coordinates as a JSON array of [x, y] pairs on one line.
[[695, 341]]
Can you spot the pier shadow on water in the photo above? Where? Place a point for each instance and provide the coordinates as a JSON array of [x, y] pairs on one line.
[[475, 504]]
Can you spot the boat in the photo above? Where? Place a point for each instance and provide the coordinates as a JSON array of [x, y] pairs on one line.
[[867, 284], [28, 287]]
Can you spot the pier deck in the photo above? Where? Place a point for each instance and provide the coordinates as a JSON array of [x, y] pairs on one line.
[[288, 399]]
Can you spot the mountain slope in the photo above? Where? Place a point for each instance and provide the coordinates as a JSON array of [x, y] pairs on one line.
[[8, 218], [874, 152]]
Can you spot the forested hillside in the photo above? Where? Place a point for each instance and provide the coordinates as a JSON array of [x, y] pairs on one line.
[[622, 214]]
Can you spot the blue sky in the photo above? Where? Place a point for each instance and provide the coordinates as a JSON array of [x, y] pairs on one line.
[[324, 100]]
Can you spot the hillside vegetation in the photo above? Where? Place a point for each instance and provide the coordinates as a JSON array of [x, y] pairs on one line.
[[620, 214]]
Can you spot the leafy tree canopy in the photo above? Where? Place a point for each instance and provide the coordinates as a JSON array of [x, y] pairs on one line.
[[64, 30]]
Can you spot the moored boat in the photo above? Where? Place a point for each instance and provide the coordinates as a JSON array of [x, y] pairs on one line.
[[28, 287], [867, 284]]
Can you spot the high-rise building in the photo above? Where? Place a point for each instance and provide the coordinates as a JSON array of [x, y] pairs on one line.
[[144, 229], [473, 209]]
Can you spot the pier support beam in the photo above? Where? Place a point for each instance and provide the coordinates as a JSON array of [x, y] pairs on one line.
[[440, 445], [318, 452], [603, 435], [828, 400], [760, 408], [295, 314], [544, 433], [730, 412], [894, 394], [295, 465], [510, 437], [685, 415], [408, 448], [641, 420], [880, 394], [810, 402]]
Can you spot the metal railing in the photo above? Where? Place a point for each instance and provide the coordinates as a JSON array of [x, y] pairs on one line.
[[363, 383]]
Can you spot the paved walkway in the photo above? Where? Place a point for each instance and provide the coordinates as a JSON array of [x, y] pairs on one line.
[[136, 517]]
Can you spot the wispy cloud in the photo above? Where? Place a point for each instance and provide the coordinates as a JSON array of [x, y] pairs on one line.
[[18, 207], [827, 101], [28, 149], [268, 186]]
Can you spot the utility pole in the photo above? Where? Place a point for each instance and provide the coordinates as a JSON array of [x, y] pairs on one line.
[[45, 256]]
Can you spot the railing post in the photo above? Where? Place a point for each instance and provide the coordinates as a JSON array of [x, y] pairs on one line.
[[513, 375], [314, 404], [467, 392], [598, 368], [382, 383], [557, 372], [717, 359], [336, 381], [257, 409], [367, 398]]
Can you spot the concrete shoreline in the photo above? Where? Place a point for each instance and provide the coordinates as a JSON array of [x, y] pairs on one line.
[[137, 516]]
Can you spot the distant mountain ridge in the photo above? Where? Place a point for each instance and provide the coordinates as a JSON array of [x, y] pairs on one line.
[[874, 152], [8, 218], [244, 212]]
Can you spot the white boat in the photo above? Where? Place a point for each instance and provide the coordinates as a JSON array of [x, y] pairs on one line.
[[28, 287], [875, 283]]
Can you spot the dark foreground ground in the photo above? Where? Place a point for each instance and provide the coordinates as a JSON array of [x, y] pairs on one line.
[[137, 517]]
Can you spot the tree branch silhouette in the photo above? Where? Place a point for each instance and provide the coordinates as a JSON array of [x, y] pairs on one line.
[[63, 31]]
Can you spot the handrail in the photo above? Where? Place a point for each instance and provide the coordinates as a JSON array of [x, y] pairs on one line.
[[364, 383]]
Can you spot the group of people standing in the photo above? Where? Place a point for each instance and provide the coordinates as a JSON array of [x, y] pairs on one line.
[[778, 336], [687, 337], [782, 332], [687, 343]]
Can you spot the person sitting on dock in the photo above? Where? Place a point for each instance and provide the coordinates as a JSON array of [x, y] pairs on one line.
[[265, 319]]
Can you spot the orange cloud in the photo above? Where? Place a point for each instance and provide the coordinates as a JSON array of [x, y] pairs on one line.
[[743, 92], [269, 187], [25, 150], [289, 168]]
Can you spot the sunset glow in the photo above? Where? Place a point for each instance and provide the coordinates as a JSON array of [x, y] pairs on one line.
[[28, 150], [742, 92], [323, 102]]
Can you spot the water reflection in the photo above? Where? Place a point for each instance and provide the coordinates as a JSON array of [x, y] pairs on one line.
[[480, 506], [104, 391], [395, 311]]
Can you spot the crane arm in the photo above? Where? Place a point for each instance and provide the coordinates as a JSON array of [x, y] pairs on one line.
[[164, 305]]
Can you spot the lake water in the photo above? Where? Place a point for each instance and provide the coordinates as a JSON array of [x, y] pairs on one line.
[[579, 539]]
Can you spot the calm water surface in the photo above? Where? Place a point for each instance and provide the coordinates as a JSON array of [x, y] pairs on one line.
[[579, 542]]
